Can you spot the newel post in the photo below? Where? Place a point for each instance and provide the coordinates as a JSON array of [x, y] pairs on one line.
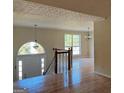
[[55, 61]]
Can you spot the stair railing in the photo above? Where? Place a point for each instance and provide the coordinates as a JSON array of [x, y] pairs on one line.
[[55, 59], [63, 51]]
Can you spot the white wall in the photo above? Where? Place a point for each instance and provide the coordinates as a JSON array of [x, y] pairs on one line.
[[91, 45], [102, 46]]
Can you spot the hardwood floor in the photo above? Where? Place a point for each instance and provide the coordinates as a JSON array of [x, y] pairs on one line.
[[81, 79]]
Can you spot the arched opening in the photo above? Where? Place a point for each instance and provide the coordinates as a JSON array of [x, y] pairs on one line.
[[30, 60], [31, 48]]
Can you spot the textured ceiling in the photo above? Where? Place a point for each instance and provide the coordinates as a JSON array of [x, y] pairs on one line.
[[93, 7], [29, 13]]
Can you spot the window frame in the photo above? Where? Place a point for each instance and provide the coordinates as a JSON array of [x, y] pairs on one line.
[[28, 44], [72, 42]]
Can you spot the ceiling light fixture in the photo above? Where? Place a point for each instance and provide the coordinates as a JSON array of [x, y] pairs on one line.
[[35, 36], [88, 36]]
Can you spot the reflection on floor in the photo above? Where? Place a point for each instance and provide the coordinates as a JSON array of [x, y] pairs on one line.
[[81, 79]]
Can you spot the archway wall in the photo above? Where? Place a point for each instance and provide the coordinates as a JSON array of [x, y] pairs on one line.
[[102, 47], [23, 35], [48, 38]]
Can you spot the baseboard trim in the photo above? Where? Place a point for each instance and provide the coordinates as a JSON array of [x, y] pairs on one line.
[[103, 74]]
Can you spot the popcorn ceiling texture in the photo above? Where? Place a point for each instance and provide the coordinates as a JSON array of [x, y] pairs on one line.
[[27, 7]]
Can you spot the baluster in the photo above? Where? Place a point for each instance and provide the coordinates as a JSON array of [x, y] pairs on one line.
[[71, 56], [60, 62], [69, 61], [63, 59], [66, 63]]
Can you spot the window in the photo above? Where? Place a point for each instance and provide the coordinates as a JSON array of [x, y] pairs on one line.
[[73, 41], [20, 69], [31, 48], [42, 65]]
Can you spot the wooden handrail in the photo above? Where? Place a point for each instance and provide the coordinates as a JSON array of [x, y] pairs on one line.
[[61, 52], [58, 49]]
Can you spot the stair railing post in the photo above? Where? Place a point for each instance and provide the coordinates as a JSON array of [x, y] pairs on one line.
[[56, 61]]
